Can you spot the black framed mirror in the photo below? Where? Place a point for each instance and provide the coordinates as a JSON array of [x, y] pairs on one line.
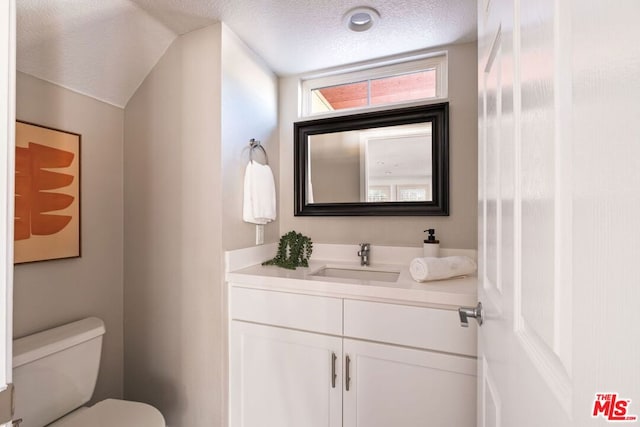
[[381, 163]]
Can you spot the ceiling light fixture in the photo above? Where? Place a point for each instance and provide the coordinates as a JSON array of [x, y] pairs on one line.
[[361, 18]]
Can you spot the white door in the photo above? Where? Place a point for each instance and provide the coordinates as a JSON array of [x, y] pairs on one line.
[[284, 378], [559, 212], [7, 131], [398, 386]]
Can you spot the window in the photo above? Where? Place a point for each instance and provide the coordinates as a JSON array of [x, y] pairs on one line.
[[399, 83]]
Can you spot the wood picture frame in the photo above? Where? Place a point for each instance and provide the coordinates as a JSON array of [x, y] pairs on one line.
[[47, 194]]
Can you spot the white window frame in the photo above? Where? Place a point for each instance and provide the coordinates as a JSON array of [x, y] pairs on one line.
[[376, 70]]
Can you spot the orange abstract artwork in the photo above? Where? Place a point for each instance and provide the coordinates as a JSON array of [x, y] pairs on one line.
[[47, 192]]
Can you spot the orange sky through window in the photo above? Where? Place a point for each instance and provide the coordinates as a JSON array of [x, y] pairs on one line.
[[386, 90]]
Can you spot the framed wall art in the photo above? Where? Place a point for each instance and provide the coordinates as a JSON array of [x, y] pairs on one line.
[[47, 194]]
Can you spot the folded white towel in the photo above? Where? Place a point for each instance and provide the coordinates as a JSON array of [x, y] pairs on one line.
[[424, 269], [259, 205]]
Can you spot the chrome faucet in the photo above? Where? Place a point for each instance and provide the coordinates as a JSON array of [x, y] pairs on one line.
[[363, 253]]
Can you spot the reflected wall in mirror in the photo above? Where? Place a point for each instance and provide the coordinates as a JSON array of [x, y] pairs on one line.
[[391, 162]]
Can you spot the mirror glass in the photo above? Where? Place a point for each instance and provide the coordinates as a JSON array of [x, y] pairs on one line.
[[391, 162]]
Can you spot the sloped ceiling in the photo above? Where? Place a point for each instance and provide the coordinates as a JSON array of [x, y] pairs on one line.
[[101, 48], [105, 48]]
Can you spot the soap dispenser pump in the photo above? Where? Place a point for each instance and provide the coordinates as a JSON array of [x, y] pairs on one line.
[[431, 245]]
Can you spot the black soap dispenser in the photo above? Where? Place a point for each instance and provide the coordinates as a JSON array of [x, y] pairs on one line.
[[431, 245]]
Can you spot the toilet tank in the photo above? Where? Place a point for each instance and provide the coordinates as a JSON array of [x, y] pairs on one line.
[[55, 371]]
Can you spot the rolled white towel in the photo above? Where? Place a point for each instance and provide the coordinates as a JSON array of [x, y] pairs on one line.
[[425, 269]]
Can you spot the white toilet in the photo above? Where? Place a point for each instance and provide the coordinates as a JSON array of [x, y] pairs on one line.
[[55, 373]]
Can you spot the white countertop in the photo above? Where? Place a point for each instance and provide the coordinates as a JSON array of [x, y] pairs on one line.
[[449, 294]]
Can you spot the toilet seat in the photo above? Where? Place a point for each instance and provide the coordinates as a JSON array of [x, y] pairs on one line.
[[113, 412]]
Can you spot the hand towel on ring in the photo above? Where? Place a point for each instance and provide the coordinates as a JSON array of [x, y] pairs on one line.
[[259, 205]]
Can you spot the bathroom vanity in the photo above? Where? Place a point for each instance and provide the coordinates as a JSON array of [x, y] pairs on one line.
[[307, 349]]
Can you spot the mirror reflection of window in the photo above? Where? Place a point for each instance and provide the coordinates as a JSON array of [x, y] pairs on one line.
[[386, 164], [399, 157], [414, 193], [379, 193]]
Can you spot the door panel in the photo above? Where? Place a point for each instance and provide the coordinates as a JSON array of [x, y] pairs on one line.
[[490, 408], [558, 155], [282, 378], [496, 194], [495, 137], [538, 319], [537, 284], [396, 386], [522, 224]]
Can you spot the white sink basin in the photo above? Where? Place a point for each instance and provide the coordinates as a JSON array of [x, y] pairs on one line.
[[364, 273]]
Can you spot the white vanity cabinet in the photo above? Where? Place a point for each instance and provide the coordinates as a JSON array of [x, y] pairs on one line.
[[394, 365]]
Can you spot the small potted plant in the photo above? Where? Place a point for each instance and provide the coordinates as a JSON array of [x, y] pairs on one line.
[[294, 250]]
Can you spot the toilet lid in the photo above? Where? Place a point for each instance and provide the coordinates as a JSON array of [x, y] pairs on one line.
[[112, 412]]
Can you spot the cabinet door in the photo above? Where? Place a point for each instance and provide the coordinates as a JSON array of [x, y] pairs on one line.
[[398, 386], [283, 378]]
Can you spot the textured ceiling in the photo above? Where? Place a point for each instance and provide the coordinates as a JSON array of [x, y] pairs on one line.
[[295, 36], [102, 48], [105, 48]]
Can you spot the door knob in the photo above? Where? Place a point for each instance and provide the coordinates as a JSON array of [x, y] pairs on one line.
[[466, 312]]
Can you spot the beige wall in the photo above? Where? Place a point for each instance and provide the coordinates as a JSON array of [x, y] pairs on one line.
[[459, 230], [187, 131], [50, 293], [174, 326], [249, 110]]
